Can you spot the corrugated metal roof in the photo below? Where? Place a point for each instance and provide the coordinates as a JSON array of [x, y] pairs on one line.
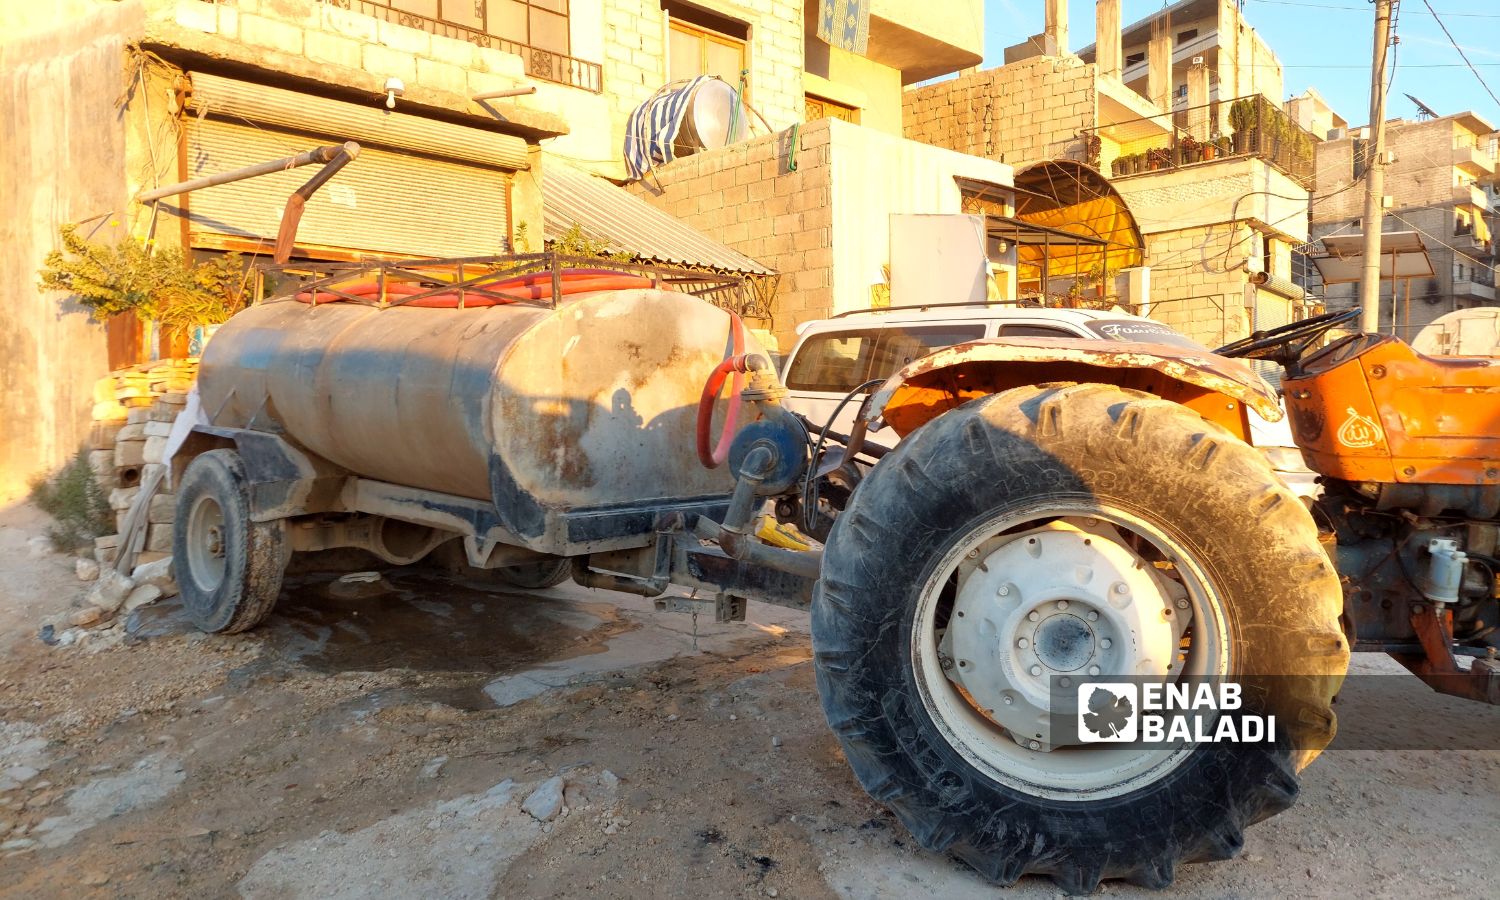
[[606, 212]]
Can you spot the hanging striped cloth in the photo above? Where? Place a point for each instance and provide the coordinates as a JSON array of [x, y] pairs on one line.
[[845, 24], [652, 129]]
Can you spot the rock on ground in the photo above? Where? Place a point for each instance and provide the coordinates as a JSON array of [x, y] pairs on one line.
[[546, 801], [110, 591], [86, 569]]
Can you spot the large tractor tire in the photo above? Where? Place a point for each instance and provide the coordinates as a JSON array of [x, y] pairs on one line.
[[228, 568], [1072, 532]]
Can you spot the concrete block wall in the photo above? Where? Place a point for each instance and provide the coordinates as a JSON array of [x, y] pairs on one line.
[[747, 197], [1423, 174], [1019, 113], [1190, 287]]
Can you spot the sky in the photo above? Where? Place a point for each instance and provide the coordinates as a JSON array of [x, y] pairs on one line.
[[1326, 44]]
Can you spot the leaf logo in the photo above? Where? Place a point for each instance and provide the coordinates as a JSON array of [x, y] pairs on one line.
[[1107, 713]]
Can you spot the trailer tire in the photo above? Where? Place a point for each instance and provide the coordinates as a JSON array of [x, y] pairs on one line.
[[228, 567], [537, 575], [1082, 449]]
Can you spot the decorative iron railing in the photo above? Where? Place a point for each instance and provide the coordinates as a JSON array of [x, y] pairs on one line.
[[1224, 129], [547, 65]]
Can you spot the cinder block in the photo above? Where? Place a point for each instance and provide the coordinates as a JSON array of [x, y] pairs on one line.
[[441, 76], [386, 63], [196, 15], [332, 49], [163, 509], [403, 38], [130, 453], [273, 34], [346, 22], [154, 450]]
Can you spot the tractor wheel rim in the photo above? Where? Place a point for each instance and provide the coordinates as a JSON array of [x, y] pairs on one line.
[[205, 544], [1040, 601]]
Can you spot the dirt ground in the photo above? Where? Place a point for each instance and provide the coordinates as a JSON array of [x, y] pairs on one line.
[[383, 741]]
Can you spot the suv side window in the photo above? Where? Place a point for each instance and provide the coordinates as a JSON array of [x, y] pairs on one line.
[[840, 361], [1043, 331]]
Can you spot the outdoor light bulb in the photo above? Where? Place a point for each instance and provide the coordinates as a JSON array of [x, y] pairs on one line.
[[390, 99]]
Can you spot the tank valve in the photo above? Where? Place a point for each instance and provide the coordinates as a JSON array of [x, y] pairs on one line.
[[1445, 571]]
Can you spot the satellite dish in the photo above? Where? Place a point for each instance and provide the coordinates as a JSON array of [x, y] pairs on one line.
[[1424, 111]]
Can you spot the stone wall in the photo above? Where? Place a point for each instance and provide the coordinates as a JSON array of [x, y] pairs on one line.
[[1019, 113], [748, 197]]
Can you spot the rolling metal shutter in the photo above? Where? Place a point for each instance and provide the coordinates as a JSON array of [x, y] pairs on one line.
[[396, 198]]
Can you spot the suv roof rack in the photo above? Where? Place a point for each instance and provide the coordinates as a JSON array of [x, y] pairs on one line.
[[1026, 304]]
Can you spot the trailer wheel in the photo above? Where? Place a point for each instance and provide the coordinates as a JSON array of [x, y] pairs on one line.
[[228, 567], [537, 575], [1072, 532]]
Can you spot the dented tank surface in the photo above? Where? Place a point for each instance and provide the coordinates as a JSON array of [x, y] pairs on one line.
[[586, 405]]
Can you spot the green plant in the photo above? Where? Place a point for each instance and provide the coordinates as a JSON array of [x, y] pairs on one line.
[[129, 277], [522, 242], [1244, 115], [79, 506], [575, 242]]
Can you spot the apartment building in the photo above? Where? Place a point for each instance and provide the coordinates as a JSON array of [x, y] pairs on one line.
[[1182, 110], [1438, 182]]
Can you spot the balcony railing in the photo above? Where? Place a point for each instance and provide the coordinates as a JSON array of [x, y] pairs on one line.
[[1224, 129], [547, 65]]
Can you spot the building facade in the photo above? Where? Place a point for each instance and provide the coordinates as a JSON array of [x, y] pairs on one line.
[[1182, 110], [106, 99], [1438, 182]]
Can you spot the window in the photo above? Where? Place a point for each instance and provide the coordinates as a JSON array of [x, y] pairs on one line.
[[701, 43], [1181, 91], [1184, 36], [1041, 331], [537, 23], [840, 361], [818, 108], [1134, 59], [1462, 224]]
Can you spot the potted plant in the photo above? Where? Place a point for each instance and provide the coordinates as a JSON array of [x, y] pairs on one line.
[[1191, 149], [1158, 158], [185, 299], [1244, 118], [1225, 145], [1210, 149]]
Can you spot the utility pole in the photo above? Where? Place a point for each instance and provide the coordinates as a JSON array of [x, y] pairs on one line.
[[1369, 284]]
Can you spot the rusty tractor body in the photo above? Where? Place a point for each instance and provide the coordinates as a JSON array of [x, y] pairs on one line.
[[1058, 511]]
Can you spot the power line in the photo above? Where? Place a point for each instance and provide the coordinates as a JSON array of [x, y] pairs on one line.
[[1298, 3], [1461, 52]]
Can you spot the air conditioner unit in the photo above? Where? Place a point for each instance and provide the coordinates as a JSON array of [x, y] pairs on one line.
[[1387, 202]]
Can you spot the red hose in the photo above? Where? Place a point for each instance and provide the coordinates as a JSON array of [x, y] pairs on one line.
[[537, 286], [736, 362]]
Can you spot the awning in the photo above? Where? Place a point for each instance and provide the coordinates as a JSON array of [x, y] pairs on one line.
[[1067, 196], [1402, 255], [606, 212]]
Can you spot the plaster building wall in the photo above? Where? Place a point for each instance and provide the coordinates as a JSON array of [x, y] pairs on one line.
[[63, 163]]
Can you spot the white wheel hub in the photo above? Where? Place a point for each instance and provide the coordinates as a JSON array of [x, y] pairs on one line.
[[1053, 607]]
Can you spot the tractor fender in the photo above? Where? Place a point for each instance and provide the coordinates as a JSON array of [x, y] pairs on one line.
[[1221, 390], [284, 480]]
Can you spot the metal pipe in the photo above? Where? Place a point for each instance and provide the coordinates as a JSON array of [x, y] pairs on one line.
[[306, 158], [500, 95]]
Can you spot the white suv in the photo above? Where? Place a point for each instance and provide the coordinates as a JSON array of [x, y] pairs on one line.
[[834, 356]]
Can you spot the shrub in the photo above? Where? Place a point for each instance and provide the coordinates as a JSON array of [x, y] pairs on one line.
[[77, 504]]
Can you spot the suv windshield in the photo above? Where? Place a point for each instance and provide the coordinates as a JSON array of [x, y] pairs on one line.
[[1141, 330], [840, 361]]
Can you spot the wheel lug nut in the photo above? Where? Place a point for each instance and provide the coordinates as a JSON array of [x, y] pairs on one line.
[[1062, 604], [1106, 643], [1034, 616], [1023, 643], [1182, 604], [963, 664], [1009, 700], [1004, 591], [1093, 616], [1035, 745], [1036, 670], [1121, 588], [974, 554], [1094, 671]]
